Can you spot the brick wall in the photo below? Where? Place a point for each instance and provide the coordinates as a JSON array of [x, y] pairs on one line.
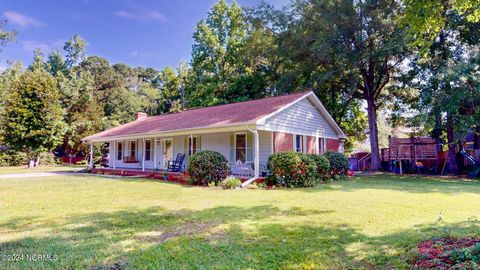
[[332, 145], [310, 145], [282, 142]]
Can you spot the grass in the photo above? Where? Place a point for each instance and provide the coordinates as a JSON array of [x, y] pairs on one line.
[[102, 223], [49, 168]]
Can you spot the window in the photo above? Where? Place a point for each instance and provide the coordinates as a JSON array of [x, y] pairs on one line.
[[148, 150], [119, 150], [299, 143], [321, 145], [133, 148], [192, 145], [241, 147]]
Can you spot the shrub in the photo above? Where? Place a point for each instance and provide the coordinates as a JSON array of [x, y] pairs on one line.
[[339, 164], [12, 158], [323, 166], [292, 169], [207, 166], [231, 182], [49, 159]]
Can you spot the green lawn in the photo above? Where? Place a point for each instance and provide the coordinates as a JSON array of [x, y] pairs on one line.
[[52, 168], [101, 223]]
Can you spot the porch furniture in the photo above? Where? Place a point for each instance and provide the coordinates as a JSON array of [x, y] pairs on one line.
[[242, 170], [130, 159], [176, 165]]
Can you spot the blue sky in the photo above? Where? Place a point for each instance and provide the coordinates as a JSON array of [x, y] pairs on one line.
[[153, 33]]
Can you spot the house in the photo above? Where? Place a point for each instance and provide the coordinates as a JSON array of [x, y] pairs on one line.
[[246, 133]]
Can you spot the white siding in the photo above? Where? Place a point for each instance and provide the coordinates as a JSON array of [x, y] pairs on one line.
[[219, 142], [266, 146], [302, 118]]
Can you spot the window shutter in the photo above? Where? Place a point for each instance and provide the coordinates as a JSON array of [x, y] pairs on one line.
[[232, 148], [199, 143], [249, 146]]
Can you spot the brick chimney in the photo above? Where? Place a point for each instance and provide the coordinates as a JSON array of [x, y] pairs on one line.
[[140, 115]]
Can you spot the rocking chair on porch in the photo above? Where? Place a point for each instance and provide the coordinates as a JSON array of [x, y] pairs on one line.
[[176, 165]]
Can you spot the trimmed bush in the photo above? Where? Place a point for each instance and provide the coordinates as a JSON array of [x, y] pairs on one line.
[[323, 166], [339, 164], [207, 166], [231, 182], [291, 169]]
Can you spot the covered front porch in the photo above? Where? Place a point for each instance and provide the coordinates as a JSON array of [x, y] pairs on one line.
[[152, 154]]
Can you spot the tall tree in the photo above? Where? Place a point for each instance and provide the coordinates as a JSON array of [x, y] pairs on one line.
[[446, 75], [32, 117], [347, 50], [215, 54], [75, 50]]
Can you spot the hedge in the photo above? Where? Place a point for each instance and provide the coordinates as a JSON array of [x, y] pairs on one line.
[[339, 164], [291, 169]]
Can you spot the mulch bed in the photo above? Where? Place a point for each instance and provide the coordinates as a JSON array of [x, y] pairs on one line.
[[448, 253]]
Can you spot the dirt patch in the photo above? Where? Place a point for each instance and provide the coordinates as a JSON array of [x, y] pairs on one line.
[[448, 253], [120, 265], [189, 228]]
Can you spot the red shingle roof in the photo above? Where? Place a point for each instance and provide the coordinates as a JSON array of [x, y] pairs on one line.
[[216, 116]]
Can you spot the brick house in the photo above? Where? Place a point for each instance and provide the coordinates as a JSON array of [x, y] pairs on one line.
[[246, 133]]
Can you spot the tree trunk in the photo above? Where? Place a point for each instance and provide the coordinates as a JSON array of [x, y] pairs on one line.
[[373, 130], [37, 160], [452, 159]]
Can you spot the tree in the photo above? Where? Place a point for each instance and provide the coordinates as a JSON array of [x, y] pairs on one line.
[[426, 19], [215, 55], [170, 87], [38, 62], [345, 50], [446, 72], [5, 36], [32, 117], [56, 65], [75, 50], [82, 111]]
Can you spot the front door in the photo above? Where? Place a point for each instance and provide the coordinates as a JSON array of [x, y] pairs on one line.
[[167, 152]]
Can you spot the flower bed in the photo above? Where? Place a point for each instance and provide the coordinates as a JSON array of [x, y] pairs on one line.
[[448, 253]]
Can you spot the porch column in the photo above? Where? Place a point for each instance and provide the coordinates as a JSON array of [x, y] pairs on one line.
[[114, 154], [191, 144], [317, 145], [154, 153], [143, 154], [257, 153], [91, 156]]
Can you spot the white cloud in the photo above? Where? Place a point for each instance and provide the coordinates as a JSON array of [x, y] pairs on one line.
[[138, 13], [22, 20], [31, 45]]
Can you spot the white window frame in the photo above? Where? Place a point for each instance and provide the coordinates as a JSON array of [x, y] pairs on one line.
[[117, 152], [130, 149], [302, 143], [235, 146], [148, 149], [190, 145], [321, 146]]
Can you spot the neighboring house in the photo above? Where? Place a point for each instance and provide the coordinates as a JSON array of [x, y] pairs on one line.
[[245, 133]]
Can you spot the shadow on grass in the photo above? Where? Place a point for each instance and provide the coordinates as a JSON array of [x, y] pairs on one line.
[[261, 237], [402, 183]]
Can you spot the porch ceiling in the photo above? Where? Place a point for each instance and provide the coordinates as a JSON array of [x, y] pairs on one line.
[[196, 131]]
